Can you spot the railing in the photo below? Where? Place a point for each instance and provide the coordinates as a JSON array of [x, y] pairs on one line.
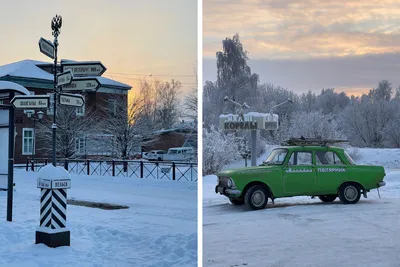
[[185, 171]]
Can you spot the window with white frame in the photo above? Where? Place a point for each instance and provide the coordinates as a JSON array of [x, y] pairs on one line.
[[80, 111], [28, 139], [112, 106], [80, 145], [50, 110]]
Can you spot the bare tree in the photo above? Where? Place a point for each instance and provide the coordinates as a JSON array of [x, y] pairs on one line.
[[128, 123], [70, 128], [191, 101]]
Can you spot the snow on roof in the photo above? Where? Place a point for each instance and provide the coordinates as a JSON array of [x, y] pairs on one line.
[[29, 69], [25, 68], [4, 85]]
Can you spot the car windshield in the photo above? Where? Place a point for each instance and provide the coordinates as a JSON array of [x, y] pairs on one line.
[[276, 157], [352, 162]]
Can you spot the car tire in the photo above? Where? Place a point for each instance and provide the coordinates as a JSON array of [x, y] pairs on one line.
[[327, 198], [256, 197], [236, 201], [349, 193]]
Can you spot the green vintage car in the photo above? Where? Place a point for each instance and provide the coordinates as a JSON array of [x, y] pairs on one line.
[[301, 167]]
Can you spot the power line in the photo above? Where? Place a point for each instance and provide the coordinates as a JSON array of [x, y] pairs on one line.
[[165, 75], [135, 79]]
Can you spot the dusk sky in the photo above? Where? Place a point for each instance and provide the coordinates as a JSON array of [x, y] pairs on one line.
[[133, 39], [311, 44]]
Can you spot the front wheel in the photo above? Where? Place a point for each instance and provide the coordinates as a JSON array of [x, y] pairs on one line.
[[236, 201], [328, 198], [349, 193], [256, 197]]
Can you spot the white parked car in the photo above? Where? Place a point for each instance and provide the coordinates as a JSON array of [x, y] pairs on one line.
[[180, 154], [156, 155]]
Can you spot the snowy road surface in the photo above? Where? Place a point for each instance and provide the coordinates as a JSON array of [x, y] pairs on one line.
[[303, 232], [159, 229]]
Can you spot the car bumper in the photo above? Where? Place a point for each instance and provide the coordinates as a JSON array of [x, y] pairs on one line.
[[226, 191], [381, 184]]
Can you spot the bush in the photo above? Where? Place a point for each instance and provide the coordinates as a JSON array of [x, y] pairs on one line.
[[219, 149]]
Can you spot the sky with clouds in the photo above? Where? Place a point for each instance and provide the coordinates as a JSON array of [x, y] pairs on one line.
[[310, 44], [133, 39]]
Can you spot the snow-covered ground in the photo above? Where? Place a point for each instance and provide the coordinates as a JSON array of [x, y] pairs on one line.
[[301, 231], [159, 229]]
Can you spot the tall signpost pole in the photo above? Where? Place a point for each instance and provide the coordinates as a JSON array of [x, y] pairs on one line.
[[56, 24], [10, 183]]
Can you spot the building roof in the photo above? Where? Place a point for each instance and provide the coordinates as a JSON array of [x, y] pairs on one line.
[[32, 69]]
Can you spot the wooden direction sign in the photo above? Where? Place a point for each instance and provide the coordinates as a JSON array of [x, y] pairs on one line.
[[86, 68], [46, 47], [64, 78], [31, 102], [82, 84], [71, 100]]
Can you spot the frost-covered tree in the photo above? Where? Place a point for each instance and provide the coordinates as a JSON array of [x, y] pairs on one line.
[[219, 149], [364, 122]]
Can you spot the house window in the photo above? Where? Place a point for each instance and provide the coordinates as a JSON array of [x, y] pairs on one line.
[[80, 145], [27, 141], [50, 110], [80, 111], [112, 106]]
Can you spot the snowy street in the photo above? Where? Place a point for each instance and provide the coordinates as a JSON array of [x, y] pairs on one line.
[[159, 228], [301, 231]]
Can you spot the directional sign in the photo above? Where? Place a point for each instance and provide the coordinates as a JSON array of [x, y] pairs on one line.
[[31, 102], [46, 47], [87, 68], [71, 100], [82, 84], [64, 78]]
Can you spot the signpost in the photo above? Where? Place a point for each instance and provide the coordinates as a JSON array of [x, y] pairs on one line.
[[64, 78], [73, 100], [88, 68], [46, 47], [82, 84], [252, 121], [31, 102]]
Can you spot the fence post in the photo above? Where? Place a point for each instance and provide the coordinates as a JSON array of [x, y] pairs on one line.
[[125, 164], [173, 171], [66, 164], [191, 172], [141, 169], [113, 168], [88, 167], [27, 164], [32, 165]]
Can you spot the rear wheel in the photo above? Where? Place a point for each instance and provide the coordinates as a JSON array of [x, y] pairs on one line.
[[256, 197], [349, 193], [236, 201], [327, 198]]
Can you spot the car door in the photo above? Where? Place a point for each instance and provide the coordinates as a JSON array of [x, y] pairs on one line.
[[299, 175], [331, 171]]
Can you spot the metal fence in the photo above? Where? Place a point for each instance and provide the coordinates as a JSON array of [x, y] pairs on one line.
[[178, 171]]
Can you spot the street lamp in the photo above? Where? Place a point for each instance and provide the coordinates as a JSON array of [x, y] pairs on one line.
[[31, 115], [271, 110]]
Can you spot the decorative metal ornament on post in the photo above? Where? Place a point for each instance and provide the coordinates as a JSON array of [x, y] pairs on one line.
[[56, 24]]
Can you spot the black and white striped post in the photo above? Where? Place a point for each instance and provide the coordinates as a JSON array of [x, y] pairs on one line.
[[53, 183]]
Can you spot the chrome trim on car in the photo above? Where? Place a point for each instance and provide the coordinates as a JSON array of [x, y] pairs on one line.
[[381, 183], [227, 191]]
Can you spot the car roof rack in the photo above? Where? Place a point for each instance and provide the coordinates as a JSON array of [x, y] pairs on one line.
[[302, 141]]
